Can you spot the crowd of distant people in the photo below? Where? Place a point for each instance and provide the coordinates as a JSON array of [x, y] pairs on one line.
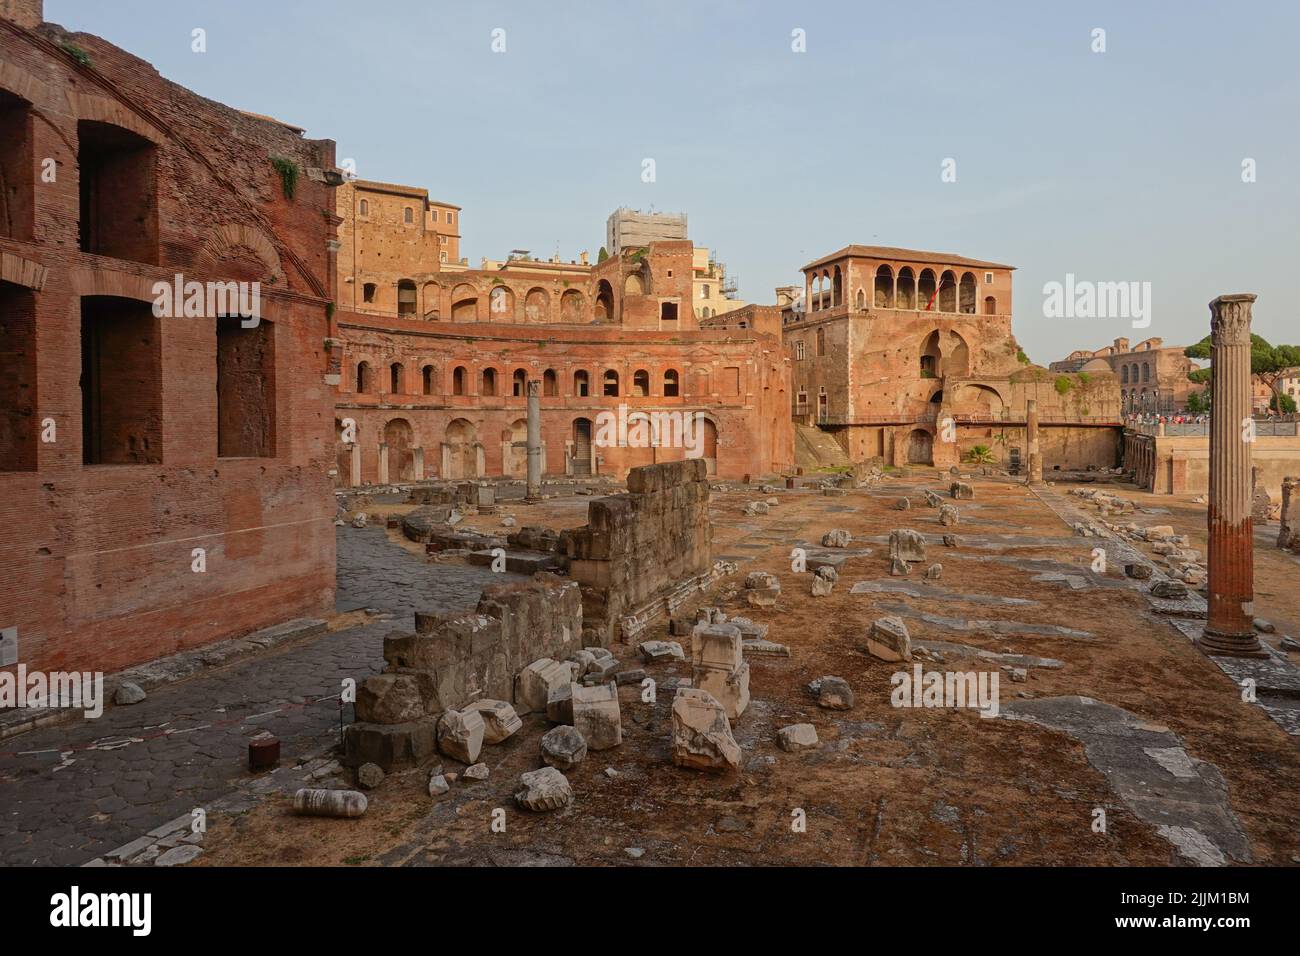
[[1152, 418]]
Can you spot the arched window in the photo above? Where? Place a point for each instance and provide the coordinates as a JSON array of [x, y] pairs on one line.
[[363, 378], [862, 300], [966, 294], [408, 216], [1146, 372], [581, 383], [672, 383], [365, 208], [519, 384], [640, 383], [489, 382], [395, 378], [426, 383], [368, 292], [550, 384], [458, 378], [610, 384], [884, 289], [905, 298], [948, 292], [1123, 375], [837, 288], [990, 305]]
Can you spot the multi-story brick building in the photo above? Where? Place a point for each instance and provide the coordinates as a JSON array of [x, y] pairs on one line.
[[1152, 376], [440, 390], [163, 471], [888, 343]]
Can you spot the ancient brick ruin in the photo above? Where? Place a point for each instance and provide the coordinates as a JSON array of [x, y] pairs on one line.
[[645, 554], [162, 479]]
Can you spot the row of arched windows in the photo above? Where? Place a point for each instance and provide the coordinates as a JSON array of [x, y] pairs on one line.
[[364, 382], [908, 290], [1130, 373]]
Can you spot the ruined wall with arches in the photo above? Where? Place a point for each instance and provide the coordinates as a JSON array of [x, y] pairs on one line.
[[465, 399]]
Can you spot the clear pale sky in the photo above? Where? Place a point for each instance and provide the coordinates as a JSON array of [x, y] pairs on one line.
[[1116, 166]]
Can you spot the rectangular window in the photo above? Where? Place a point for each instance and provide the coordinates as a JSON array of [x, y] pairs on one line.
[[799, 353], [118, 191], [121, 382], [731, 381], [988, 278], [17, 170], [18, 422], [245, 389]]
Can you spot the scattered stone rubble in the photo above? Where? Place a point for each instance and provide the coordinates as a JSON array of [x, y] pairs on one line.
[[702, 738], [719, 668]]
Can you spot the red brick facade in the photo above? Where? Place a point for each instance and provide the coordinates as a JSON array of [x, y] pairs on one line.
[[111, 474]]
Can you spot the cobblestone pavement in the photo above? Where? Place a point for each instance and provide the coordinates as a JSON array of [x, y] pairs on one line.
[[76, 791]]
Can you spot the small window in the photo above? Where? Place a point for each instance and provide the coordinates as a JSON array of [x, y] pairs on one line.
[[450, 218], [671, 383], [426, 374], [611, 384], [706, 290], [988, 278], [799, 351], [581, 384], [365, 208], [458, 380], [368, 292], [408, 216], [489, 382]]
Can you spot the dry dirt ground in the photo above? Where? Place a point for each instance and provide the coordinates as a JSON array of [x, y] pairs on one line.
[[886, 786]]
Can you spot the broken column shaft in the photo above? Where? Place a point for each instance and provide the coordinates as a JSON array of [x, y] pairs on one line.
[[1034, 452], [1230, 630], [534, 489]]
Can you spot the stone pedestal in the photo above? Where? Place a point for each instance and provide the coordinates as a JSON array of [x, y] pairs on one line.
[[1229, 629]]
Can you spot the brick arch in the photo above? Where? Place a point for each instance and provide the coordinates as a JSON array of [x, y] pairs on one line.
[[226, 240], [22, 271], [125, 285], [87, 106], [27, 86]]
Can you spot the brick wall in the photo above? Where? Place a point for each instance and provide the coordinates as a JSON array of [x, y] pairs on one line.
[[95, 559]]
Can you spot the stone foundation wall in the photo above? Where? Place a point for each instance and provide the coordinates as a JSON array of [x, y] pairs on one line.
[[1289, 534], [645, 554]]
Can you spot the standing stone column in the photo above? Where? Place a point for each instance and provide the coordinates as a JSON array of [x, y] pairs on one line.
[[383, 463], [1230, 629], [1034, 452], [534, 490]]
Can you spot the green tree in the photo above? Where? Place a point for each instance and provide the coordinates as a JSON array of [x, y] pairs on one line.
[[1198, 402], [1268, 362], [1288, 403]]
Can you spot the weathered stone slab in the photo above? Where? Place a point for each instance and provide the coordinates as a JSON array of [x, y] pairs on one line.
[[702, 738], [596, 715]]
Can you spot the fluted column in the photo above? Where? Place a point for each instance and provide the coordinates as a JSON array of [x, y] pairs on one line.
[[1034, 452], [534, 489], [1230, 630]]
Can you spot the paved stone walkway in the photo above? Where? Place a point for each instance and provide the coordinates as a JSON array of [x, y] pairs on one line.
[[82, 789]]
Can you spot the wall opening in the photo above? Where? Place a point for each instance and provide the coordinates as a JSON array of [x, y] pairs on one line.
[[640, 383], [395, 384], [121, 382], [668, 314], [245, 389], [426, 380], [581, 384], [610, 384], [406, 297], [18, 422], [519, 384], [672, 383], [118, 191], [364, 379], [17, 169], [458, 377], [550, 384], [489, 382]]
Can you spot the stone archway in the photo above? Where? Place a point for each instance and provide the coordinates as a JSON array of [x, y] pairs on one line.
[[460, 450], [400, 439]]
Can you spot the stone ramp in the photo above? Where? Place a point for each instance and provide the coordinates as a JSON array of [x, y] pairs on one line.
[[814, 448]]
